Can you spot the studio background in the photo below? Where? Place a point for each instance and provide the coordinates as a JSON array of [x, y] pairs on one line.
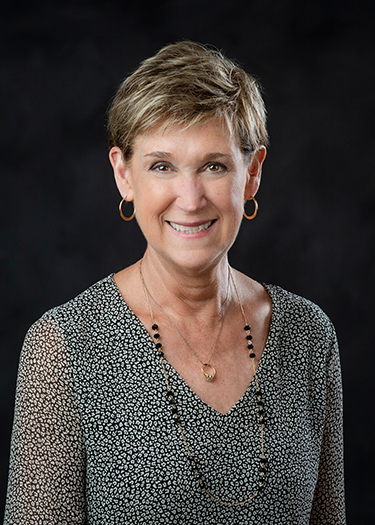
[[314, 233]]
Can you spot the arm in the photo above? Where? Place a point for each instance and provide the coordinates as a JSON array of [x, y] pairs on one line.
[[47, 464], [328, 506]]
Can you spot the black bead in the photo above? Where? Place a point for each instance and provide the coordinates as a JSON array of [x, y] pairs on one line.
[[259, 392], [161, 354], [158, 345], [154, 327], [247, 327], [260, 402], [261, 411], [170, 394], [177, 420], [156, 336], [263, 460], [249, 337], [252, 355], [250, 346], [263, 469]]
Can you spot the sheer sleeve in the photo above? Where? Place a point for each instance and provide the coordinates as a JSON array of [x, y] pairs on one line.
[[329, 501], [47, 462]]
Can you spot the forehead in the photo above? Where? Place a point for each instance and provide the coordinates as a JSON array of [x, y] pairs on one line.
[[212, 136]]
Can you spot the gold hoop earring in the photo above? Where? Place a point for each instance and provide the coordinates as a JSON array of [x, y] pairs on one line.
[[250, 217], [122, 215]]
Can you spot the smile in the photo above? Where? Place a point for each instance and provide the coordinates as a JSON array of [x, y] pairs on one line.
[[191, 229]]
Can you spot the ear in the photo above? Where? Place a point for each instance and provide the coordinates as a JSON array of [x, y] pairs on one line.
[[122, 173], [254, 172]]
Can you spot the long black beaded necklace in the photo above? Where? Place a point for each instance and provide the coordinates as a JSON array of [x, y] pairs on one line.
[[172, 401]]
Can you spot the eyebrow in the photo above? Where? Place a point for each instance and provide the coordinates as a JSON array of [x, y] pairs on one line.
[[158, 154], [206, 158], [216, 155]]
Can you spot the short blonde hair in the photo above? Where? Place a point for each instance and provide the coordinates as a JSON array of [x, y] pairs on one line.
[[185, 84]]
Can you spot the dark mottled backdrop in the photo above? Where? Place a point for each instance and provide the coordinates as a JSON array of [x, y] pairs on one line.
[[314, 234]]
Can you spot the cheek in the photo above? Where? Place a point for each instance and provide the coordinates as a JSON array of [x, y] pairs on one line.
[[236, 202], [151, 204], [230, 207], [233, 199]]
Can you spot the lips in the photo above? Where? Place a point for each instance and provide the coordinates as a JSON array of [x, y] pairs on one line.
[[191, 229]]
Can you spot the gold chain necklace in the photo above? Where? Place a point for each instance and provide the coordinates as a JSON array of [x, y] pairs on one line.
[[176, 418], [207, 369]]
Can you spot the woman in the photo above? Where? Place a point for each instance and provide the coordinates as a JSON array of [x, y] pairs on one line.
[[180, 390]]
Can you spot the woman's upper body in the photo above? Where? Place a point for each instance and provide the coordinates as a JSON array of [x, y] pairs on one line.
[[94, 437], [187, 135]]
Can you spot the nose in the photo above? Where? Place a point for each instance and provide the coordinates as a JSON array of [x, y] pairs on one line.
[[191, 194]]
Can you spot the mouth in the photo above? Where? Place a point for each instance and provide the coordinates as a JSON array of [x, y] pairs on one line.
[[191, 229]]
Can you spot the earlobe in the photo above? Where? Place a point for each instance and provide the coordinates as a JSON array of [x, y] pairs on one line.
[[121, 173]]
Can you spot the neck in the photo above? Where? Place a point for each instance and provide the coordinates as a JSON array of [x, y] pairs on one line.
[[183, 292]]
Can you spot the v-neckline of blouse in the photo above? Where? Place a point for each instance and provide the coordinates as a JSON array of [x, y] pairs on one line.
[[272, 335]]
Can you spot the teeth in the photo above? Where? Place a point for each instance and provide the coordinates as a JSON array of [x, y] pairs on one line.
[[190, 229]]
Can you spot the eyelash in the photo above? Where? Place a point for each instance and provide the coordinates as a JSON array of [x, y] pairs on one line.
[[222, 168]]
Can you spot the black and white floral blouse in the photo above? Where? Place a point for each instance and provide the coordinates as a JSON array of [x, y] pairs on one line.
[[94, 441]]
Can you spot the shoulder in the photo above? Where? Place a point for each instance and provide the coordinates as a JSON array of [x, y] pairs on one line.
[[296, 313], [92, 302], [97, 306], [95, 321], [304, 338]]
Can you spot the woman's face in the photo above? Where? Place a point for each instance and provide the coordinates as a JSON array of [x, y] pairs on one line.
[[188, 188]]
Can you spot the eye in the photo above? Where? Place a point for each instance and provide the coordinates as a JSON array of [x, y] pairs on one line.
[[216, 167], [160, 167]]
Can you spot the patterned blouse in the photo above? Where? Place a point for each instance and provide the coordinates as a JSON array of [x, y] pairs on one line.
[[94, 440]]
